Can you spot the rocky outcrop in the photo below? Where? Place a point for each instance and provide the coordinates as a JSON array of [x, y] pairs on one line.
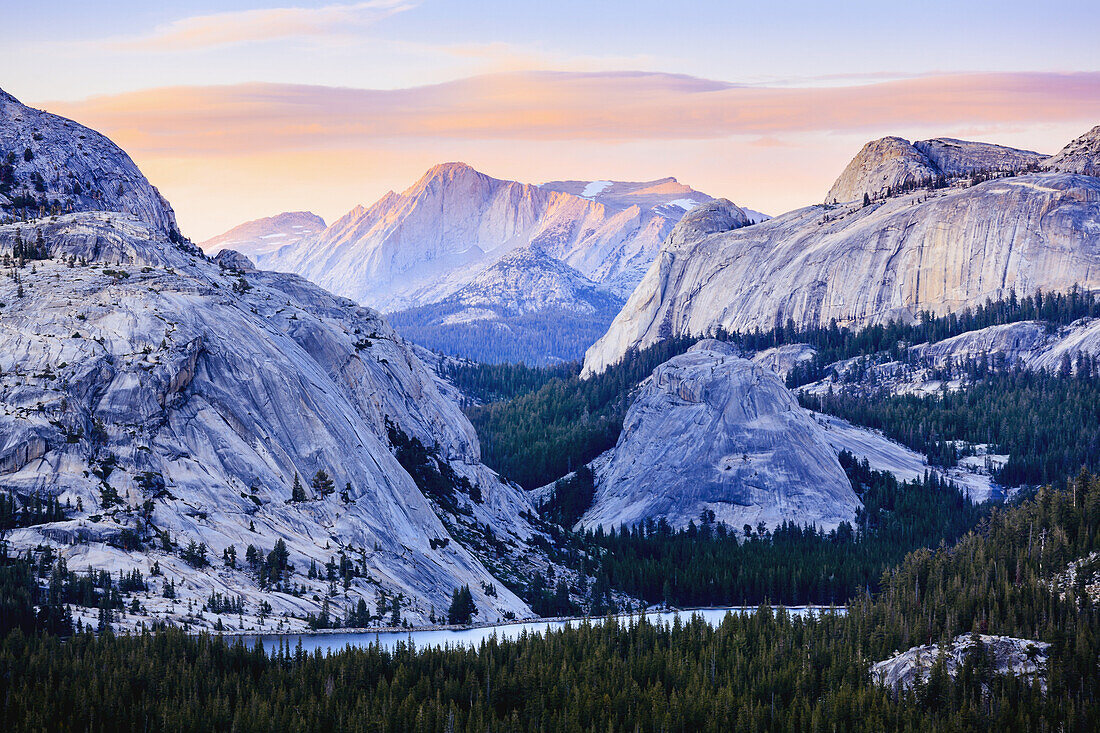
[[892, 165], [882, 165], [1080, 156], [710, 431], [261, 237], [927, 369], [954, 158], [1024, 659], [932, 250], [231, 259], [151, 377], [60, 166], [418, 247]]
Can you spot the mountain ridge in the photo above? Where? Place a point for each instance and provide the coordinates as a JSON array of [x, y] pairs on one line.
[[939, 249]]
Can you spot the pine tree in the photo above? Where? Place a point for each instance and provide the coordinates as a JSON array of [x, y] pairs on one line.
[[297, 493], [322, 483], [462, 608]]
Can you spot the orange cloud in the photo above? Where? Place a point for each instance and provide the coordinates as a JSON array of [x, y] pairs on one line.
[[227, 154], [541, 106], [262, 24]]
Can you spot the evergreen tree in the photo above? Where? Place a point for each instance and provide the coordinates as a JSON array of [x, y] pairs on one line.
[[322, 483], [297, 493], [462, 608]]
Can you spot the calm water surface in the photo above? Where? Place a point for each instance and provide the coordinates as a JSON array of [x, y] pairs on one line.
[[332, 642]]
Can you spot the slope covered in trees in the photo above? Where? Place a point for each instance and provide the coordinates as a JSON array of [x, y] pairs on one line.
[[754, 672], [538, 424], [1048, 424], [709, 565]]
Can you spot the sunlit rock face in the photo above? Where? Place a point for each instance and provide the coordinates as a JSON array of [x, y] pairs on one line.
[[929, 250], [261, 237], [63, 167], [419, 246], [166, 399], [1080, 156], [892, 164], [710, 431], [207, 390]]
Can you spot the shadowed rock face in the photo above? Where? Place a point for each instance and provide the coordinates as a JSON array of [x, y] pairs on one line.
[[206, 398], [940, 251], [76, 167], [712, 431], [1080, 156], [1022, 658]]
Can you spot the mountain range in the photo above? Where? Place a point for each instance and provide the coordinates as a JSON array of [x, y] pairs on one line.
[[435, 254], [188, 413], [262, 237], [1021, 222], [241, 432]]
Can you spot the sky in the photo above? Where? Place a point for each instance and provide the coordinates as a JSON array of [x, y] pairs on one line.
[[237, 110]]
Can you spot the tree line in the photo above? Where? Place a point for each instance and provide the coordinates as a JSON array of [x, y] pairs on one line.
[[767, 670]]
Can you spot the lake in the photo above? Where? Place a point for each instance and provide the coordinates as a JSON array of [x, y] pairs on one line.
[[335, 641]]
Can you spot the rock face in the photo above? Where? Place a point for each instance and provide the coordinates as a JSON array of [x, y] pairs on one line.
[[57, 165], [711, 431], [167, 400], [527, 307], [1080, 156], [886, 164], [953, 158], [261, 237], [1021, 658], [929, 368], [208, 401], [204, 391], [891, 164], [932, 250], [417, 247]]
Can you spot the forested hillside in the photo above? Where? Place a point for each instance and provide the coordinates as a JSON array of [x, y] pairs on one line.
[[762, 671], [1048, 424], [535, 425]]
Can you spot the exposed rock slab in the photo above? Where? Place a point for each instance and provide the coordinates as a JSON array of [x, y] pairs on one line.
[[1022, 658], [75, 167], [205, 397], [1080, 156], [711, 431], [892, 165], [937, 251]]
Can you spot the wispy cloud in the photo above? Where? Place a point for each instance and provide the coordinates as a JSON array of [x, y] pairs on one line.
[[261, 24], [611, 106]]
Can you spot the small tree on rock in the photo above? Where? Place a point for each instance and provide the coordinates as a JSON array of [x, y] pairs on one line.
[[462, 608], [322, 483]]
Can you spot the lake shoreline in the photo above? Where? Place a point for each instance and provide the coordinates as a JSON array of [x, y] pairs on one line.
[[516, 622]]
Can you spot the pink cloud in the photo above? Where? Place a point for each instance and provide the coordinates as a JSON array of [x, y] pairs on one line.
[[543, 106]]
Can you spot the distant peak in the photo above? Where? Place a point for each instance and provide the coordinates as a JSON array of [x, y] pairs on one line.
[[453, 169], [447, 173]]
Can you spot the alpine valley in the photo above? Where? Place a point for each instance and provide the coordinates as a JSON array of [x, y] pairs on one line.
[[869, 428]]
